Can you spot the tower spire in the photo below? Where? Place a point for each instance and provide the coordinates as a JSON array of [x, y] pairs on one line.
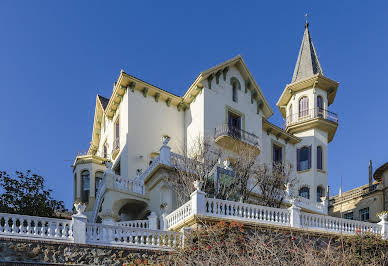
[[307, 63]]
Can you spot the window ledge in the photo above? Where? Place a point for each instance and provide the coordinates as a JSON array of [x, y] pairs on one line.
[[303, 171], [321, 171]]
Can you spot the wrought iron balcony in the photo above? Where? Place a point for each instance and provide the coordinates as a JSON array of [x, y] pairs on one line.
[[234, 133], [306, 115]]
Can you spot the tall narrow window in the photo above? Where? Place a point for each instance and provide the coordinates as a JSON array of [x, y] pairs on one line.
[[320, 193], [234, 124], [277, 154], [235, 96], [290, 114], [98, 181], [319, 158], [304, 192], [85, 180], [303, 158], [116, 142], [303, 106], [320, 106]]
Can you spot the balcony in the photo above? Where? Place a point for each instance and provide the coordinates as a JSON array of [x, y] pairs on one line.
[[312, 118], [116, 148], [234, 138]]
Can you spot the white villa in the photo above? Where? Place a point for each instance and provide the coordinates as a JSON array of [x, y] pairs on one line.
[[223, 100]]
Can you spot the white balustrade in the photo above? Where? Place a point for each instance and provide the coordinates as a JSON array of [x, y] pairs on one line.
[[110, 235], [24, 226], [179, 215], [128, 185], [337, 225], [134, 224], [246, 212]]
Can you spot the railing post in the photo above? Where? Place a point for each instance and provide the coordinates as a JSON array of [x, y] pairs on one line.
[[165, 151], [163, 222], [153, 221], [294, 216], [79, 223], [186, 231], [384, 224], [198, 199]]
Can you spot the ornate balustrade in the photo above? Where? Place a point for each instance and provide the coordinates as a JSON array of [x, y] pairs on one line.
[[246, 212], [24, 226], [128, 185], [236, 133], [135, 224], [179, 215], [111, 235], [333, 224]]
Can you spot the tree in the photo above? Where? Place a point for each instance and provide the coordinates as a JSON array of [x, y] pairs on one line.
[[241, 177], [25, 194]]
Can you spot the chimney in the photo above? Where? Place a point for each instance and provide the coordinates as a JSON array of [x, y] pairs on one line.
[[370, 173]]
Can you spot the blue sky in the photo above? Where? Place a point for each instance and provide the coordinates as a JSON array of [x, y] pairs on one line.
[[55, 56]]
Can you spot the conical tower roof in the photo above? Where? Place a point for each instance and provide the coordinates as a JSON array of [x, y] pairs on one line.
[[307, 63]]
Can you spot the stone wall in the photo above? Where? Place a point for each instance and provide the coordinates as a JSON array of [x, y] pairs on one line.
[[44, 252]]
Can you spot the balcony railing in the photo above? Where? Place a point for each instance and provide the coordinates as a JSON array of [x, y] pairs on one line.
[[236, 133], [306, 115]]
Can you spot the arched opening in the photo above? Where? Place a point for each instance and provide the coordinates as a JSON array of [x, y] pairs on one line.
[[303, 106], [134, 210], [304, 192], [85, 184]]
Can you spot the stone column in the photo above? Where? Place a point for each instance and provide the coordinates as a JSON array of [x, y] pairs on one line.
[[198, 199], [294, 216], [153, 221], [79, 223]]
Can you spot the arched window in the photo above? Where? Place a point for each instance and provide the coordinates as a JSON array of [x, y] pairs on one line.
[[320, 193], [235, 96], [304, 192], [290, 114], [320, 106], [98, 181], [303, 157], [319, 158], [303, 106], [85, 183]]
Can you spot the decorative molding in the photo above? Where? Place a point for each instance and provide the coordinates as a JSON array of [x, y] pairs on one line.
[[269, 131], [180, 106], [278, 136], [168, 101], [224, 72], [259, 106], [253, 95], [247, 85], [218, 74], [145, 91], [157, 96], [131, 86], [209, 80], [199, 87]]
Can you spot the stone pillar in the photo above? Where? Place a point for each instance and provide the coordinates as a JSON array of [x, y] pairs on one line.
[[384, 224], [163, 223], [79, 223], [294, 216], [153, 221], [186, 231], [165, 151], [198, 199]]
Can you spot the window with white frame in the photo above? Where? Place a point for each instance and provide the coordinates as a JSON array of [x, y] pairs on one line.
[[303, 158], [303, 106], [304, 192], [85, 183], [364, 214], [319, 158]]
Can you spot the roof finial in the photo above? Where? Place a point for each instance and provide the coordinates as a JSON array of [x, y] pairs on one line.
[[307, 22]]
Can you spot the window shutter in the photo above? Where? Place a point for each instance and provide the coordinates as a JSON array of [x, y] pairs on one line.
[[310, 157], [297, 159]]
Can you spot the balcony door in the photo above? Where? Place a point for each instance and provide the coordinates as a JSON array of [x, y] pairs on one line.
[[234, 123]]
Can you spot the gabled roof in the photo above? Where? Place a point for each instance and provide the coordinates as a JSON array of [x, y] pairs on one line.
[[307, 63], [240, 64]]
